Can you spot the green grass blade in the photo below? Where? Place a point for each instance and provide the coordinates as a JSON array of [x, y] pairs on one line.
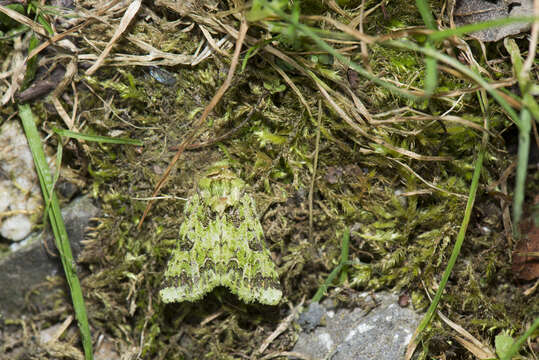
[[431, 65], [426, 15], [326, 47], [461, 234], [463, 69], [342, 264], [96, 138], [431, 74], [524, 131], [466, 29], [517, 344], [522, 168], [57, 225], [36, 8]]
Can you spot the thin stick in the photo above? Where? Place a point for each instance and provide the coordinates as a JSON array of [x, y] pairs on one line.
[[315, 165], [196, 127], [231, 132], [285, 324], [458, 244]]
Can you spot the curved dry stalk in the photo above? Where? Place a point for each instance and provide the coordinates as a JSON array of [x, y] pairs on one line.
[[425, 117], [198, 124], [129, 14], [12, 14], [283, 326], [362, 132], [429, 184], [217, 25]]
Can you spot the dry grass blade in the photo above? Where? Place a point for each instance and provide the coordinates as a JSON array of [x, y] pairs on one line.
[[126, 20], [229, 133], [210, 318], [426, 117], [344, 28], [38, 28], [293, 86], [285, 323], [531, 290], [57, 331], [432, 186], [71, 70], [61, 111], [357, 128], [56, 38], [198, 124], [17, 72], [478, 352], [469, 341], [155, 57], [364, 48], [212, 42], [313, 176], [223, 44], [526, 67], [359, 106]]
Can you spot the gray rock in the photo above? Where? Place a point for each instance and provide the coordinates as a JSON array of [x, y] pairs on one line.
[[20, 195], [29, 263], [381, 333], [310, 319], [476, 11]]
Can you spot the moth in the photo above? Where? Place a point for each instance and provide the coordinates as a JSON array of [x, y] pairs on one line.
[[221, 243]]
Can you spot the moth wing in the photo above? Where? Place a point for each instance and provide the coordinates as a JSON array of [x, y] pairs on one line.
[[191, 271], [249, 271]]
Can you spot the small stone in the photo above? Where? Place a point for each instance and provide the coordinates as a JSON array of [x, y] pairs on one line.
[[16, 227], [21, 203], [312, 317], [404, 300], [334, 174], [29, 263], [380, 333]]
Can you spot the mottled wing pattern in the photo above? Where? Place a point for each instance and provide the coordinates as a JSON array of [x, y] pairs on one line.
[[221, 244], [189, 273], [249, 272]]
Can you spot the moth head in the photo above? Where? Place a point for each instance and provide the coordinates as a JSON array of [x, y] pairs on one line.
[[220, 188]]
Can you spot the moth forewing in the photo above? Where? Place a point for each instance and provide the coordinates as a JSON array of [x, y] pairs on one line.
[[221, 243]]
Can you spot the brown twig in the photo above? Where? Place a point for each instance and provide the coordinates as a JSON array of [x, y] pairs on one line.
[[228, 134], [315, 165], [129, 15], [20, 18], [285, 323], [198, 124], [78, 27]]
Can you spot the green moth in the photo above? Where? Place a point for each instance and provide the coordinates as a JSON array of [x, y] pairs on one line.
[[221, 244]]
